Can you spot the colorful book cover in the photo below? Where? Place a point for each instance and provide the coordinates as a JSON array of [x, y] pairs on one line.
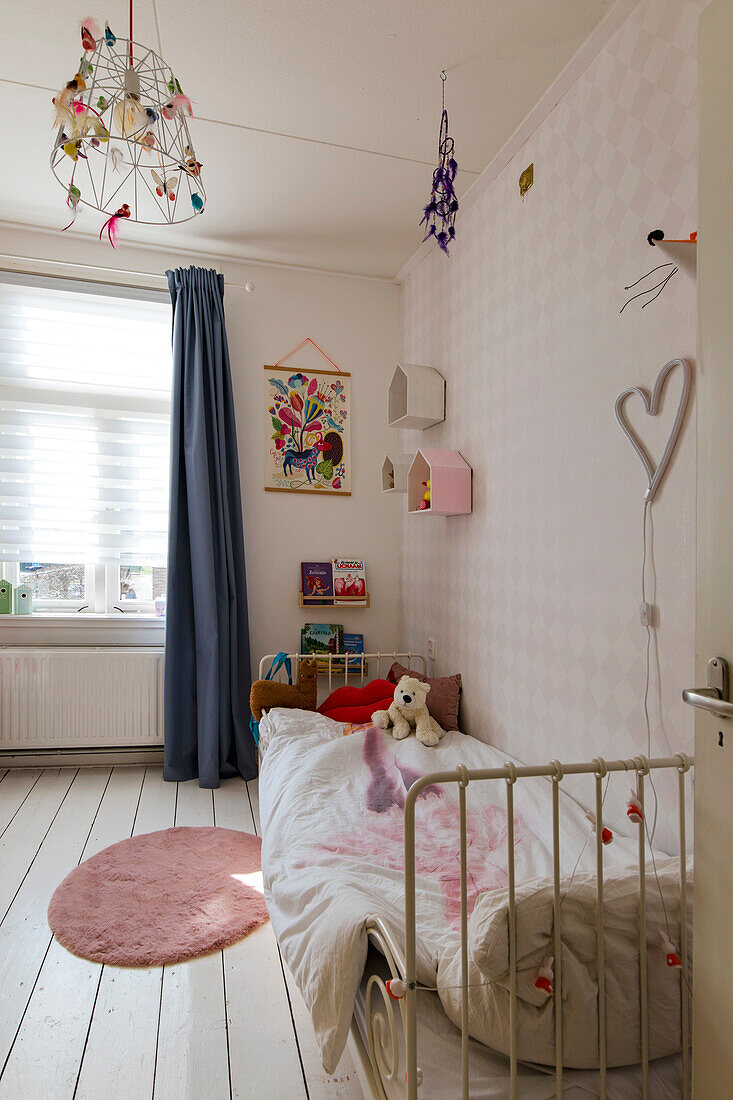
[[349, 579], [354, 643], [316, 578], [322, 638]]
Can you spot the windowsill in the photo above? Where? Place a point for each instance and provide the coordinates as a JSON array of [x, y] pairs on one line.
[[80, 628], [81, 616]]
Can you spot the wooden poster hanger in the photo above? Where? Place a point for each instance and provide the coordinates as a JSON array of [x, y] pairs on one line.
[[302, 345]]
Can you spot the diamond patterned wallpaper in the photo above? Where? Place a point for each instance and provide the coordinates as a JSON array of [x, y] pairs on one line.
[[534, 597]]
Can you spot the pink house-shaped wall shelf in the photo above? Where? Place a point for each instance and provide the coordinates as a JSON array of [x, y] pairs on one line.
[[450, 483]]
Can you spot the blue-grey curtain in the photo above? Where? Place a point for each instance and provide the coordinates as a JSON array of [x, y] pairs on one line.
[[207, 665]]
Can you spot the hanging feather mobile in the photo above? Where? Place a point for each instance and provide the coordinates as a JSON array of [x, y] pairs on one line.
[[439, 215]]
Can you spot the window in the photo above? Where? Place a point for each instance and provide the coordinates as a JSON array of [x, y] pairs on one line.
[[85, 380]]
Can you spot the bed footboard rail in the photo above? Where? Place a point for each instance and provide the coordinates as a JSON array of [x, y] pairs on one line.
[[639, 767]]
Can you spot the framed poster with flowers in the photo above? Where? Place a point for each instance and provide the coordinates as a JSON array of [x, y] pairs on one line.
[[308, 429]]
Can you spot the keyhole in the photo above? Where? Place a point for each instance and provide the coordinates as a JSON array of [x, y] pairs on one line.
[[720, 738]]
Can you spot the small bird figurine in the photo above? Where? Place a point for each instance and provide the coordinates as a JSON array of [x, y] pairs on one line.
[[63, 100], [89, 35], [179, 105], [109, 38], [111, 224], [189, 164], [197, 202], [73, 198], [72, 149]]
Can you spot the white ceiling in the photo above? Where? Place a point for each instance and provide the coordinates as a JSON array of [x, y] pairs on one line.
[[316, 120]]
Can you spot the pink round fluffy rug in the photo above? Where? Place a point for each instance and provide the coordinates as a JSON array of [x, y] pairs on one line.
[[161, 897]]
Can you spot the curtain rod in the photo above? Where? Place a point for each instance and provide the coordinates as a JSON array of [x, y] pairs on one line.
[[111, 271]]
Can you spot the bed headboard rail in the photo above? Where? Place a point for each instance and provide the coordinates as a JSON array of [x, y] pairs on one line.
[[355, 666]]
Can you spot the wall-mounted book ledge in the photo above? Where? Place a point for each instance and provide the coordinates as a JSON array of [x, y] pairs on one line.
[[334, 601]]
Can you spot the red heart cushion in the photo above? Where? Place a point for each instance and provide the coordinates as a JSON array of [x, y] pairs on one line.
[[355, 704]]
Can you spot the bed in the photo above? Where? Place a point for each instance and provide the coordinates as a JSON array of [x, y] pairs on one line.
[[448, 861]]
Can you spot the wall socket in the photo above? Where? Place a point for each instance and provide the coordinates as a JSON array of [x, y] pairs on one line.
[[431, 649]]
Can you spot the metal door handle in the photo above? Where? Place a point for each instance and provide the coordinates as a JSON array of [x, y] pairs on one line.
[[714, 697]]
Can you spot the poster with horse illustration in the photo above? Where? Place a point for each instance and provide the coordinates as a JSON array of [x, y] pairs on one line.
[[308, 429]]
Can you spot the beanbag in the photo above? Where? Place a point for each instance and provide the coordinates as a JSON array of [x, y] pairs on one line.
[[357, 704]]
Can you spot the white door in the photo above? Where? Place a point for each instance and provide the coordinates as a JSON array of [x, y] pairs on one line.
[[713, 920]]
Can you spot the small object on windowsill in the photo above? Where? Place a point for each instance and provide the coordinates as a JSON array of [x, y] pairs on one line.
[[23, 600], [159, 607], [6, 597], [330, 601]]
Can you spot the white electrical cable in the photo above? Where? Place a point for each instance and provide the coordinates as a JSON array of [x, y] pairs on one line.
[[648, 628], [655, 476]]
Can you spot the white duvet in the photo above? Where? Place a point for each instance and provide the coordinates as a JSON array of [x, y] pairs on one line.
[[332, 855]]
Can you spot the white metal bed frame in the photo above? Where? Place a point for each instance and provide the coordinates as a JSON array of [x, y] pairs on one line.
[[383, 1047], [345, 663]]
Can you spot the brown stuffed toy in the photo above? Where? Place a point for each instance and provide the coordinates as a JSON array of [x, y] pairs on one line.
[[271, 693]]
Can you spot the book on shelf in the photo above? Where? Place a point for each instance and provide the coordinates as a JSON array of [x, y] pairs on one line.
[[316, 580], [354, 643], [320, 639], [349, 579]]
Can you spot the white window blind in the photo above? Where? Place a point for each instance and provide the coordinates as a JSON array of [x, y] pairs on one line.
[[85, 379]]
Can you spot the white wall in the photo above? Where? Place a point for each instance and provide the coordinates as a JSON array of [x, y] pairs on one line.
[[534, 597], [356, 323]]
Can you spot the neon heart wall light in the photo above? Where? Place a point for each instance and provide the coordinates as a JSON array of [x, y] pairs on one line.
[[656, 474]]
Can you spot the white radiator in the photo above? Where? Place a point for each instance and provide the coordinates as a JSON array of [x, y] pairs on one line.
[[86, 697]]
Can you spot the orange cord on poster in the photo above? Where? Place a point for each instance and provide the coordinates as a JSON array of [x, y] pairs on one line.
[[302, 345]]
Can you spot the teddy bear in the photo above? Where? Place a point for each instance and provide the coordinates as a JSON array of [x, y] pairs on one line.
[[409, 710]]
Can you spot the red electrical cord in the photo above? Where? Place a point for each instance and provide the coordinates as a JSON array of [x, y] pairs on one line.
[[130, 33]]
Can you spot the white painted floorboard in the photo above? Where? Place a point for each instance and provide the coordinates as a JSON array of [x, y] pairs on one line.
[[226, 1027]]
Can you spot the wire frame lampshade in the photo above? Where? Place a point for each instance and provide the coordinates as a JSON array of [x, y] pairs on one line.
[[123, 145]]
